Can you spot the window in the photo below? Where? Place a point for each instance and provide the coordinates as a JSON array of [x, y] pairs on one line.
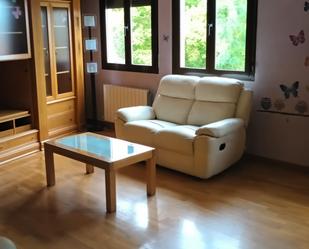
[[130, 35], [214, 37]]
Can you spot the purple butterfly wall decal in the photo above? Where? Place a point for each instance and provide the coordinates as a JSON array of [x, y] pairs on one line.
[[292, 90], [298, 39], [16, 12], [306, 6]]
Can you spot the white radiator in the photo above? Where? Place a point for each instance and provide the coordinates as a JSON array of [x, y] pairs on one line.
[[116, 97]]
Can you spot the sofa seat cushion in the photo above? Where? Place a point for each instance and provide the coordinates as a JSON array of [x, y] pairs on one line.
[[177, 138], [203, 112], [142, 131]]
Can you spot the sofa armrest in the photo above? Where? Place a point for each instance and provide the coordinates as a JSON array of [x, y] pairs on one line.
[[221, 128], [133, 113]]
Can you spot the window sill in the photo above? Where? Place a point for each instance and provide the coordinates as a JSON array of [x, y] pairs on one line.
[[240, 76]]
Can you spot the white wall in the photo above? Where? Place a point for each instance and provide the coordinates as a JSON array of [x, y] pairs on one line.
[[281, 137], [277, 136]]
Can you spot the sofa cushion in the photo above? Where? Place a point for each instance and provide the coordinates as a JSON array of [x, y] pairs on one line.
[[217, 89], [215, 99], [178, 86], [204, 112], [142, 131], [172, 109], [174, 98], [177, 138]]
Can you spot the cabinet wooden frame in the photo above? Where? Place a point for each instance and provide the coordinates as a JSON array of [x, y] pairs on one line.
[[76, 65]]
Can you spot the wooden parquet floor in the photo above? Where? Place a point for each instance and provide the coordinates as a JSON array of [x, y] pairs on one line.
[[253, 205]]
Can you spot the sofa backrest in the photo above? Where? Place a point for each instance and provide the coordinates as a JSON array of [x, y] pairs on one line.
[[199, 101], [244, 105], [175, 97], [216, 98]]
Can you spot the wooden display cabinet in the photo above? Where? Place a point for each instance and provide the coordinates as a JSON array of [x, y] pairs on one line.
[[59, 70], [59, 66], [17, 135], [43, 96]]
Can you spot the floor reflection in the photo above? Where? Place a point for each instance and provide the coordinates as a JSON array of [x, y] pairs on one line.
[[138, 211], [193, 237], [190, 236]]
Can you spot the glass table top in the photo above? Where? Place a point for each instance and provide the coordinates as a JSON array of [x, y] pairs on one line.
[[107, 148]]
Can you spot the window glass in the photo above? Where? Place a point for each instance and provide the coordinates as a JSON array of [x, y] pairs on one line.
[[231, 26], [141, 46], [193, 22], [115, 36]]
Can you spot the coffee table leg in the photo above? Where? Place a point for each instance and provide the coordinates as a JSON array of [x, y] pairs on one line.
[[49, 165], [110, 186], [151, 175], [89, 169]]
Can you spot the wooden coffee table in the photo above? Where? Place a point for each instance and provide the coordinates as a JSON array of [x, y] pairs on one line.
[[103, 152]]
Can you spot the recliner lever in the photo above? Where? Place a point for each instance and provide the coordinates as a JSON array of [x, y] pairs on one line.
[[222, 146]]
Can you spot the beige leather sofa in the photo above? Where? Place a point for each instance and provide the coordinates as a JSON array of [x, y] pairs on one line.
[[198, 125]]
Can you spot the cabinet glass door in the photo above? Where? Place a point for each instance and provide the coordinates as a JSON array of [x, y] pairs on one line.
[[56, 31], [46, 51], [61, 30]]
